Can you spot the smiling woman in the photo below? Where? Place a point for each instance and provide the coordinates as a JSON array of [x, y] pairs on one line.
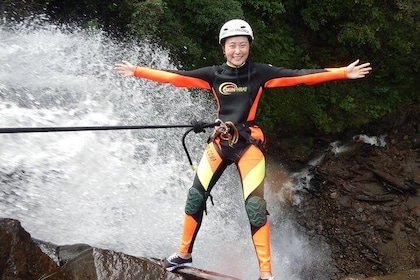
[[237, 86]]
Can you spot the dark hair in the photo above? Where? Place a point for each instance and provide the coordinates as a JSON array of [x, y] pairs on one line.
[[223, 41]]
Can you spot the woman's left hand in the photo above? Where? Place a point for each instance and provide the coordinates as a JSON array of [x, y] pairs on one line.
[[355, 71]]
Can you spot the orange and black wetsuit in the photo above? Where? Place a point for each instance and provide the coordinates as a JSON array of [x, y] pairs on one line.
[[237, 92]]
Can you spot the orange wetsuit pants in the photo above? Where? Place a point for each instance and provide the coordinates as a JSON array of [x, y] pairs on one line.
[[250, 162]]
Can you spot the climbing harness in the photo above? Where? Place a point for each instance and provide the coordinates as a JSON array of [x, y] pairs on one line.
[[230, 132], [226, 131]]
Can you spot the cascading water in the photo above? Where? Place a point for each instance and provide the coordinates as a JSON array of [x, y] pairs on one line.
[[119, 190]]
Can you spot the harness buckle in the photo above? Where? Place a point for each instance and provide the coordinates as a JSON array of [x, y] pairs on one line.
[[226, 131]]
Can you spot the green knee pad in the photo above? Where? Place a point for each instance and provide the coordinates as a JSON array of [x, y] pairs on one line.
[[194, 201], [256, 208]]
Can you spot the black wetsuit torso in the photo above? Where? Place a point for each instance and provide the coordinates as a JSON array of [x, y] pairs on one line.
[[238, 90]]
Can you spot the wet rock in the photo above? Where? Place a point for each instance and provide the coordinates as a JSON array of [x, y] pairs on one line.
[[405, 275], [68, 253], [21, 257], [94, 263], [191, 273], [367, 202]]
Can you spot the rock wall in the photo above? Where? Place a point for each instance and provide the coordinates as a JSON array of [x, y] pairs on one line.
[[365, 201]]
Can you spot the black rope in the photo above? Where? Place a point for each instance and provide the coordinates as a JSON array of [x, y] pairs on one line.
[[9, 130], [196, 126]]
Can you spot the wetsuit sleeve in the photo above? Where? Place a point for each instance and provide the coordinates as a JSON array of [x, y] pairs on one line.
[[286, 77], [190, 79]]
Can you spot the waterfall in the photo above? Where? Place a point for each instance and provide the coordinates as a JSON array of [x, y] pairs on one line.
[[118, 190]]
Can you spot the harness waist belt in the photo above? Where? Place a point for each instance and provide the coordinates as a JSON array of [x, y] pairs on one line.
[[230, 132]]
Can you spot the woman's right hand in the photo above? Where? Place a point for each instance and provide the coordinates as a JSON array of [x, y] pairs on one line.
[[125, 68]]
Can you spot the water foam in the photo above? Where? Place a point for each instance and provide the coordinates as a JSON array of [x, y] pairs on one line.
[[119, 190]]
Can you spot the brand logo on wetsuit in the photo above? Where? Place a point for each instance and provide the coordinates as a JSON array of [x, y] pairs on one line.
[[229, 88]]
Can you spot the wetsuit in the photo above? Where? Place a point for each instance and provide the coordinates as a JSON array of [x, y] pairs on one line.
[[237, 92]]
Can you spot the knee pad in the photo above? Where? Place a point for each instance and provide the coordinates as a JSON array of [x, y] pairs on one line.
[[256, 208], [195, 200]]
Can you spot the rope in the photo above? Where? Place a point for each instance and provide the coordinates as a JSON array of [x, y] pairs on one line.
[[196, 126], [9, 130]]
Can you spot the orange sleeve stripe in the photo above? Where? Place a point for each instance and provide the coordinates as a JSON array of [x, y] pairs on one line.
[[253, 110], [311, 79], [175, 79]]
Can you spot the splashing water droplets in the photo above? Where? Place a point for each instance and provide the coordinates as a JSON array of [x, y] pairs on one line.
[[119, 190]]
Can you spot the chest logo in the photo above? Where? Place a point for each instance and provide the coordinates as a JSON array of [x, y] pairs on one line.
[[228, 88]]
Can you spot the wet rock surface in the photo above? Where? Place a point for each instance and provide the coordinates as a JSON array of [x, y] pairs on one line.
[[22, 258], [364, 201]]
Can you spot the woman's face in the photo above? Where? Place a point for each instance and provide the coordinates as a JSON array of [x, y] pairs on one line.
[[236, 50]]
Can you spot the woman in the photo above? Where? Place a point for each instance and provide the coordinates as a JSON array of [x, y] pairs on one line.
[[237, 86]]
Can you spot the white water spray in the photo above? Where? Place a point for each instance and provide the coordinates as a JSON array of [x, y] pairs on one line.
[[119, 190]]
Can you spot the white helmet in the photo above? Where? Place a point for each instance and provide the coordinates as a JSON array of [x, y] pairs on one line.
[[235, 27]]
